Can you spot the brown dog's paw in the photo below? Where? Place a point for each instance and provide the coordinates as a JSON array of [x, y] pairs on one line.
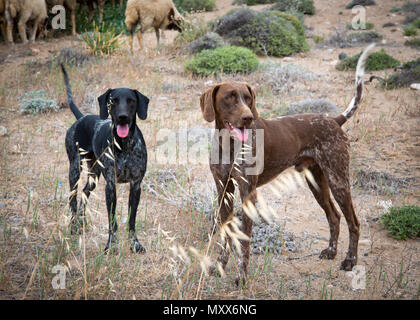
[[328, 253], [348, 264]]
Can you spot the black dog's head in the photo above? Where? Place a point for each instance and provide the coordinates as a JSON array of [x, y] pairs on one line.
[[123, 104]]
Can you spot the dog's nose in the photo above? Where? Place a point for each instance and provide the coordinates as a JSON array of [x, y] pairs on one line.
[[247, 118], [123, 117]]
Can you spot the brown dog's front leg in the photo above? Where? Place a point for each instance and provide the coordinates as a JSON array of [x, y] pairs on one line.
[[248, 194]]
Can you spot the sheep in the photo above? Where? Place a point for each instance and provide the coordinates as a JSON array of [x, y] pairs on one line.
[[70, 5], [159, 14], [25, 11]]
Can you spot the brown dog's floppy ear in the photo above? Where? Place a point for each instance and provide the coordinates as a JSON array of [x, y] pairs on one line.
[[207, 101], [103, 101], [254, 103]]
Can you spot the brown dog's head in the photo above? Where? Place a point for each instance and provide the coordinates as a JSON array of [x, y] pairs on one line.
[[232, 105]]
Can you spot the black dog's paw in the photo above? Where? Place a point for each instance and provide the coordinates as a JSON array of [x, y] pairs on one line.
[[111, 244], [137, 247]]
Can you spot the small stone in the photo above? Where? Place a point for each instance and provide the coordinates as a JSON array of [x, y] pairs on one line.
[[1, 205], [415, 86]]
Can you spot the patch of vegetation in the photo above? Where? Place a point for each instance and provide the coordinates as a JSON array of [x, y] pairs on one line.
[[402, 222], [368, 26], [302, 6], [191, 31], [376, 61], [33, 102], [415, 42], [395, 9], [411, 11], [229, 59], [318, 39], [364, 37], [360, 3], [101, 42], [410, 31], [113, 19], [210, 40], [195, 5], [410, 73], [270, 32], [253, 2]]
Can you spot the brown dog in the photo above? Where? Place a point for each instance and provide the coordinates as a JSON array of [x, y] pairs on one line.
[[311, 141]]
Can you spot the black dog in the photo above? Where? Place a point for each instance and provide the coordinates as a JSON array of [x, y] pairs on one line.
[[114, 147]]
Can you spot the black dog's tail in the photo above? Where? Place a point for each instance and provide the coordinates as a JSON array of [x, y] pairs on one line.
[[73, 107]]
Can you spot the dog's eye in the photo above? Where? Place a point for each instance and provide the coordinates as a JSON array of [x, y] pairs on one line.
[[114, 100], [130, 101], [248, 100]]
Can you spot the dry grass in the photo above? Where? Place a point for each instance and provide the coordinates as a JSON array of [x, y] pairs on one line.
[[173, 220]]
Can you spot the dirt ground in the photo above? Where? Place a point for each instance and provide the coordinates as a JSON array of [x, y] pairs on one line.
[[384, 135]]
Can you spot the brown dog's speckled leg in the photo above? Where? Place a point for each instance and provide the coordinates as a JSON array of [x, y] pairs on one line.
[[333, 216]]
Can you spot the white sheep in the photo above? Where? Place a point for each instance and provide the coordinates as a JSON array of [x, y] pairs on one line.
[[25, 11], [159, 14]]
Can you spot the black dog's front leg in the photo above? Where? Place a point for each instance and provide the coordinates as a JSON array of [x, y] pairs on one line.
[[111, 204], [133, 203]]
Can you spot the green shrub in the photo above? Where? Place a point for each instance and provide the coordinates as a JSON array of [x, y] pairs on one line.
[[195, 5], [253, 2], [409, 73], [303, 6], [269, 32], [360, 3], [375, 61], [410, 31], [416, 23], [101, 42], [229, 59], [368, 25], [402, 222], [318, 39], [191, 31], [33, 102], [113, 19], [415, 42]]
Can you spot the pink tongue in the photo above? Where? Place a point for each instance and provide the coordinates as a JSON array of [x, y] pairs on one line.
[[240, 134], [122, 130]]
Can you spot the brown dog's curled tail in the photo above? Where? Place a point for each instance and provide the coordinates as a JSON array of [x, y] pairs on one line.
[[354, 103]]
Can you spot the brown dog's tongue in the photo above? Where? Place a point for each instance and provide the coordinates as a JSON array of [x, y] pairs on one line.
[[122, 130], [242, 135]]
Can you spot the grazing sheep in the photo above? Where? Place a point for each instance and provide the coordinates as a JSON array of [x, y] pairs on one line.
[[159, 14], [25, 11], [70, 5], [90, 4]]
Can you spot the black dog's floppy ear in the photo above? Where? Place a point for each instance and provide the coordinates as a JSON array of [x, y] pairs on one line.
[[103, 104], [142, 105]]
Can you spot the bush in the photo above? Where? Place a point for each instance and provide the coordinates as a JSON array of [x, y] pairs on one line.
[[410, 31], [303, 6], [210, 40], [411, 11], [229, 59], [410, 73], [191, 31], [33, 102], [113, 19], [375, 61], [195, 5], [402, 222], [364, 37], [101, 42], [360, 3], [368, 25], [415, 42], [270, 32]]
